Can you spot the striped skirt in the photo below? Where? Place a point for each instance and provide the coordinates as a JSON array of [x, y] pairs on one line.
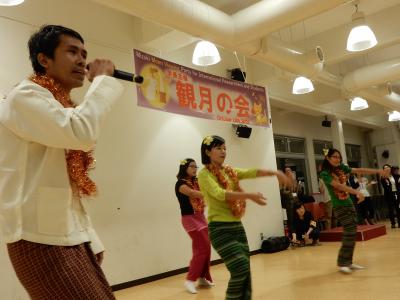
[[347, 216], [230, 241], [59, 272]]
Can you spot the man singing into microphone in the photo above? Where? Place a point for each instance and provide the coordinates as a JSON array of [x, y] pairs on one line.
[[45, 156]]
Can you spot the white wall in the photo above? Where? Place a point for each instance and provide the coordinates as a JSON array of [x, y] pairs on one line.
[[136, 213], [387, 139]]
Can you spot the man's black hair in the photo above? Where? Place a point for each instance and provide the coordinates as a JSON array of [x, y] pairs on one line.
[[45, 41]]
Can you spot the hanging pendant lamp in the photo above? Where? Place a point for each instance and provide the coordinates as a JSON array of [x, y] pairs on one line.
[[302, 85], [205, 54]]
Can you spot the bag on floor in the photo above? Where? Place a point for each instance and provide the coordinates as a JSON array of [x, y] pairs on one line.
[[275, 244]]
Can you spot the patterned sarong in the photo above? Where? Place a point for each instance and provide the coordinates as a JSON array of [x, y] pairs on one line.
[[230, 241], [59, 272]]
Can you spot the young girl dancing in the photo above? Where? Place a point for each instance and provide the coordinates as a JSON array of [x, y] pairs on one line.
[[192, 210]]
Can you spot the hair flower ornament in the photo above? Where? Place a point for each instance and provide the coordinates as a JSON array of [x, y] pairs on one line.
[[208, 140], [325, 151], [183, 162]]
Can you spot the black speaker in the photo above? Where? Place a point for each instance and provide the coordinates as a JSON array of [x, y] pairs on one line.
[[237, 74], [243, 131], [326, 123], [385, 154]]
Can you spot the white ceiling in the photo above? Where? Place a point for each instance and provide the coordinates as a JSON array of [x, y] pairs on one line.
[[328, 29], [230, 6]]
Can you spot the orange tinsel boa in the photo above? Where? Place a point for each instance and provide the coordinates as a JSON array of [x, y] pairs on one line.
[[197, 203], [237, 206], [78, 162]]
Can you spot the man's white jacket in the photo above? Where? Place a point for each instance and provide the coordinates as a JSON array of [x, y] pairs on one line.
[[36, 200]]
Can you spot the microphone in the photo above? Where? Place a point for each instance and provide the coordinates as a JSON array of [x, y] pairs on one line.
[[125, 76]]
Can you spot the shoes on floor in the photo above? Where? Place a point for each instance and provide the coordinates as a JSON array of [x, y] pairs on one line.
[[350, 269], [316, 243], [345, 270], [205, 282], [190, 286], [356, 267]]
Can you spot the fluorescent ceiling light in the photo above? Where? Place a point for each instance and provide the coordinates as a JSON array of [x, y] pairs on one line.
[[10, 2], [205, 54]]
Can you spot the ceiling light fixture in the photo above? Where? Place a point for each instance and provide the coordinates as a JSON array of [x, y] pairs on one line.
[[394, 116], [302, 85], [358, 103], [361, 37], [205, 54], [10, 2]]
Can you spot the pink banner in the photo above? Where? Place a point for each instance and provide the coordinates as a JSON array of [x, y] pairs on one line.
[[177, 89]]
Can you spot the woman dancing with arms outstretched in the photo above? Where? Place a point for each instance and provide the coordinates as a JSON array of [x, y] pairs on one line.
[[335, 174], [226, 202]]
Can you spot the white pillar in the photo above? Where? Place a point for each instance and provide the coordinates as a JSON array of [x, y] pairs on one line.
[[311, 164], [338, 138], [396, 138]]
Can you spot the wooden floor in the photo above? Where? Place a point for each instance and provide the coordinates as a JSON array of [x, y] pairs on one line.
[[304, 273]]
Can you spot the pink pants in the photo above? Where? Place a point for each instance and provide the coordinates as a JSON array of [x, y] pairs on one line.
[[196, 226], [200, 264]]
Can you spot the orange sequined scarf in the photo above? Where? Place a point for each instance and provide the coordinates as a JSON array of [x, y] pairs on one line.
[[237, 206], [78, 162]]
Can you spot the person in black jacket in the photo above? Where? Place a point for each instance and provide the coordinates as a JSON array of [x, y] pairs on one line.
[[396, 176], [305, 228], [289, 198], [390, 184]]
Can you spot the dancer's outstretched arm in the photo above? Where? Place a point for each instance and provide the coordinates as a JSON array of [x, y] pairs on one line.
[[186, 190], [213, 188], [255, 197], [282, 177], [369, 171]]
